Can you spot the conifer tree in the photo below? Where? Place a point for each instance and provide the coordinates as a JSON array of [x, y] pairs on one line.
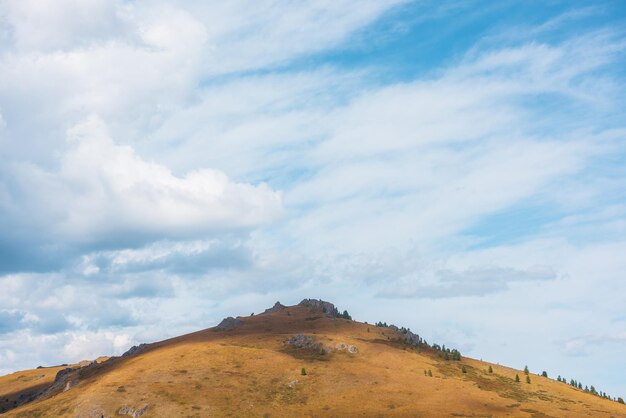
[[526, 371], [527, 379], [490, 369], [517, 377], [544, 374]]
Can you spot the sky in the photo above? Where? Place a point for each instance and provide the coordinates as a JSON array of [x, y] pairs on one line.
[[457, 168]]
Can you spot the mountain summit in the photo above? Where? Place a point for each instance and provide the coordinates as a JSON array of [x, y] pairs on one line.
[[302, 360]]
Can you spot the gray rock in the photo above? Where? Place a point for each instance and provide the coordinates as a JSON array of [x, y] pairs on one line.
[[305, 342], [326, 307], [139, 412], [129, 410], [277, 307], [229, 323], [412, 339], [136, 349]]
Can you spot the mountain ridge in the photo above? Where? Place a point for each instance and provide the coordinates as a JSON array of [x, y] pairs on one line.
[[304, 360]]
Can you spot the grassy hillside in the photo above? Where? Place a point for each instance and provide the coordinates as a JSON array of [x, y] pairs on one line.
[[247, 370]]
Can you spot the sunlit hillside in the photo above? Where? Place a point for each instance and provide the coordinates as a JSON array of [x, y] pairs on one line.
[[294, 361]]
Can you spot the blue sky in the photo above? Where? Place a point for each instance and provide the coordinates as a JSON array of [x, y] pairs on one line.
[[457, 169]]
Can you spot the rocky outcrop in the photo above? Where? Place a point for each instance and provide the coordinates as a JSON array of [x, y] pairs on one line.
[[229, 323], [277, 307], [304, 342], [136, 349], [412, 339], [317, 304], [133, 412]]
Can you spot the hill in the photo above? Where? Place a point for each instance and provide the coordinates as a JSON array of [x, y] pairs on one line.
[[303, 360]]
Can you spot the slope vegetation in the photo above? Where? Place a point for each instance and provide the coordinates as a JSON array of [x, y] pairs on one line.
[[294, 361]]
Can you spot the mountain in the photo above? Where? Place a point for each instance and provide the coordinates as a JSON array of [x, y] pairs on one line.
[[302, 360]]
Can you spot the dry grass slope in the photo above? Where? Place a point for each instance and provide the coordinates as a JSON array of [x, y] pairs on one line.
[[247, 371]]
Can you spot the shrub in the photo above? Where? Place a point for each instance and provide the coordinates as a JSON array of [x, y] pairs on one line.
[[463, 369], [490, 369], [528, 379], [544, 374], [303, 371], [430, 373], [517, 377], [620, 400]]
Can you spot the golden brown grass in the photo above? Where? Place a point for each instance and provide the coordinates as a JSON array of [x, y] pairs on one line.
[[247, 372]]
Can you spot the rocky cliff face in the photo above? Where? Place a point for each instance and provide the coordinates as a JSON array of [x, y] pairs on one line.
[[326, 307]]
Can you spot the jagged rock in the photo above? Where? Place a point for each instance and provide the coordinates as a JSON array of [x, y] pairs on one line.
[[277, 307], [135, 349], [139, 412], [305, 342], [394, 328], [129, 410], [326, 307], [229, 323], [412, 339]]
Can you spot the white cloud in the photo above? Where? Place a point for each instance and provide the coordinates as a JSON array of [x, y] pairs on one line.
[[104, 191], [90, 345]]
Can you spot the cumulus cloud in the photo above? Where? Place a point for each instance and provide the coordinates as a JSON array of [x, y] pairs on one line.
[[105, 194]]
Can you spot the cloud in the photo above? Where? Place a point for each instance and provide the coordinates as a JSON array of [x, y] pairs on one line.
[[476, 281], [10, 321], [90, 345], [583, 345], [103, 194], [182, 257]]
